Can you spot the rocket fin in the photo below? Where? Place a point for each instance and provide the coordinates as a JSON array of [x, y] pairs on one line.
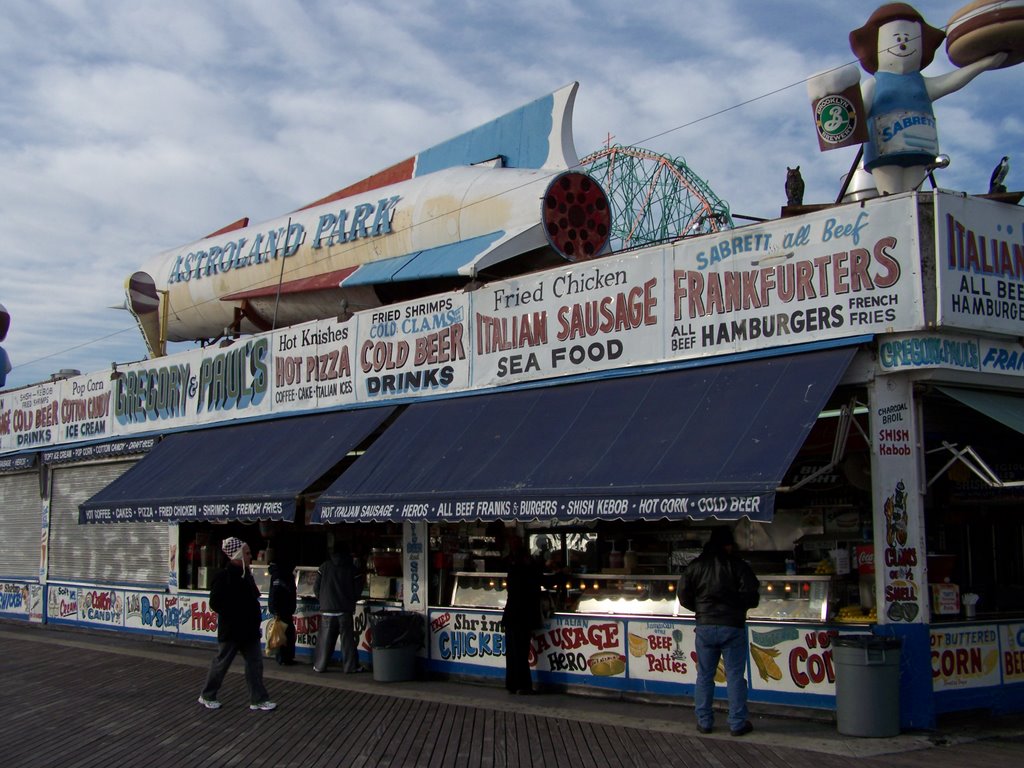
[[536, 135]]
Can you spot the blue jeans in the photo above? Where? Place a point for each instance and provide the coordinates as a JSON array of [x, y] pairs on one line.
[[729, 643]]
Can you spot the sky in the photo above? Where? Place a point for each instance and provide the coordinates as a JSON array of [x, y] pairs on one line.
[[130, 127]]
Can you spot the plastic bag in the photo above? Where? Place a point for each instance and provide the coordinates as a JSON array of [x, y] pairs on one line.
[[276, 630]]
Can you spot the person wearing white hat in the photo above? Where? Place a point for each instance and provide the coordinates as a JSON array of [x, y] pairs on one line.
[[236, 599]]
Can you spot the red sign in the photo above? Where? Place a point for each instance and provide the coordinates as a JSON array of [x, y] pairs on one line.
[[865, 559]]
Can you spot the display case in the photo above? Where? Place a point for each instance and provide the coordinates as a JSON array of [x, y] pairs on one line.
[[478, 589], [386, 588], [261, 575], [783, 598], [794, 598], [623, 595], [305, 580], [590, 593]]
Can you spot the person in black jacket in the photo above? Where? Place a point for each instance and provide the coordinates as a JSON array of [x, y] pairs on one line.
[[522, 615], [719, 587], [338, 586], [236, 599], [282, 602]]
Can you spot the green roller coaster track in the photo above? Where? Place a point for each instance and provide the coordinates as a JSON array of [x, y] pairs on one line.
[[654, 198]]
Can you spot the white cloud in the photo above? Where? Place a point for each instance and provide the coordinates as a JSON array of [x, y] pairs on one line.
[[128, 127]]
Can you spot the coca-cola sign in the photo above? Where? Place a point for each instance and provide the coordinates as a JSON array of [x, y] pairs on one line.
[[864, 559]]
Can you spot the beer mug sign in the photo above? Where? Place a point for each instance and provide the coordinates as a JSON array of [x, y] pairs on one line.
[[838, 108]]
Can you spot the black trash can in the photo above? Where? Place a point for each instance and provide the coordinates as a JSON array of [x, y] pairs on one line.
[[867, 685], [395, 638]]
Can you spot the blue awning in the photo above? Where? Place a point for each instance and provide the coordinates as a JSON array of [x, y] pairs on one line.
[[250, 471], [1004, 408], [18, 462], [110, 449], [704, 442], [442, 261]]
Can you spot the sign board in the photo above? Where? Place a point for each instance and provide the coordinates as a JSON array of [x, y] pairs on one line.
[[979, 264], [841, 273], [965, 657]]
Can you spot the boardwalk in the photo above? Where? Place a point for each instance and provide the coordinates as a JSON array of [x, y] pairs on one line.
[[86, 700]]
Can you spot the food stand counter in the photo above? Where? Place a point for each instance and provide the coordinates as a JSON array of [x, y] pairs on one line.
[[783, 597], [628, 632]]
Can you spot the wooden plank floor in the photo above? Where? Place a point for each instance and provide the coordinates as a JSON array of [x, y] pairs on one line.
[[75, 705]]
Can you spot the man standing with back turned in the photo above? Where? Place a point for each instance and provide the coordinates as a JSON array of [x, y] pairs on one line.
[[719, 587], [338, 587]]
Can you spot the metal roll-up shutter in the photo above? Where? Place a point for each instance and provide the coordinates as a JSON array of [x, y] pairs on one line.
[[21, 522], [124, 553]]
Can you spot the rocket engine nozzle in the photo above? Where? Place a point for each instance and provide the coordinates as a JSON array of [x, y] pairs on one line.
[[577, 217]]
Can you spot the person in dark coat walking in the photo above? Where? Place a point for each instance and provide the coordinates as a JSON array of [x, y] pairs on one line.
[[719, 587], [521, 616], [236, 599], [338, 586], [282, 602]]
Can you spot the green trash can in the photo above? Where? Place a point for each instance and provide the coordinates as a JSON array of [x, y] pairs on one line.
[[395, 640], [867, 685]]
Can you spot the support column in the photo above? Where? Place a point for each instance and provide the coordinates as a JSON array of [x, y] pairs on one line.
[[414, 562], [897, 490], [173, 576]]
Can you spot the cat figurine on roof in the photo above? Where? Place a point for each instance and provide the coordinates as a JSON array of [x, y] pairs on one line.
[[894, 45]]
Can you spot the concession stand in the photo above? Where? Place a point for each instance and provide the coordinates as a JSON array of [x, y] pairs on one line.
[[841, 387]]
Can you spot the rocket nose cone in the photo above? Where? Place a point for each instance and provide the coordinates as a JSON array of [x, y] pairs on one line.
[[142, 295]]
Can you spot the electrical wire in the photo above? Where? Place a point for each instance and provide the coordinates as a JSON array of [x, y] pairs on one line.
[[356, 247]]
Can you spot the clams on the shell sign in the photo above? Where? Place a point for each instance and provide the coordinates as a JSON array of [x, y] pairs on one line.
[[898, 504]]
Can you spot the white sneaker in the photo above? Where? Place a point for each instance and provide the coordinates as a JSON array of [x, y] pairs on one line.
[[209, 703], [266, 706]]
